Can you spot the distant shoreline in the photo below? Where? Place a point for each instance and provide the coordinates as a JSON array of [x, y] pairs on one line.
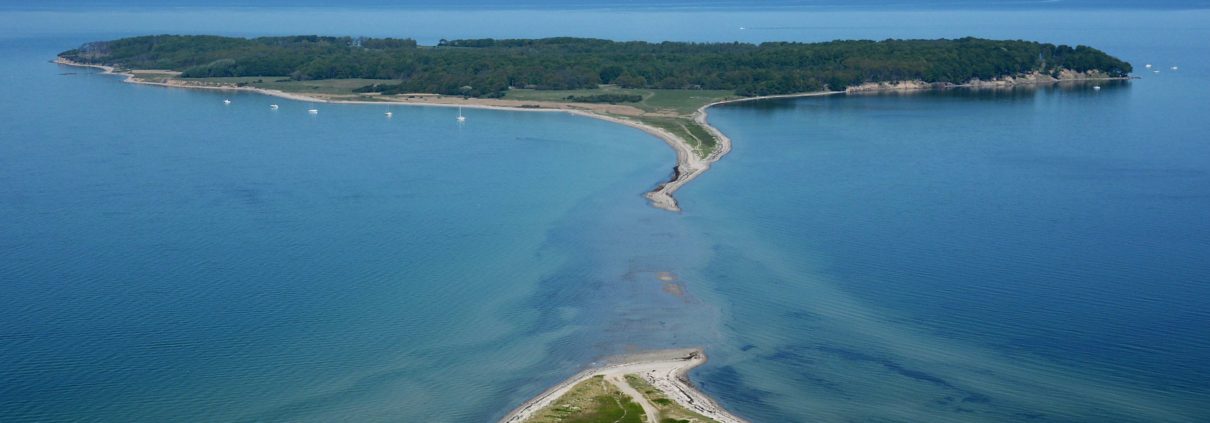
[[689, 165]]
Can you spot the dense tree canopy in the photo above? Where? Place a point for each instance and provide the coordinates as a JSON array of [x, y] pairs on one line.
[[488, 67]]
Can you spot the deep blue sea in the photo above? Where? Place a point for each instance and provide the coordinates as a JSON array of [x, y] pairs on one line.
[[989, 255]]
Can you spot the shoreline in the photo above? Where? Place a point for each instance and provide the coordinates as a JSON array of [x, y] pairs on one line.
[[689, 165], [688, 170], [667, 370]]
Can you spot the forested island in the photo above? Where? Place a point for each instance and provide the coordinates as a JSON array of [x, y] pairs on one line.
[[662, 87], [488, 67]]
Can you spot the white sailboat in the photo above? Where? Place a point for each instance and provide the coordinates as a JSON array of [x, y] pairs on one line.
[[272, 107], [460, 117], [226, 101], [388, 113]]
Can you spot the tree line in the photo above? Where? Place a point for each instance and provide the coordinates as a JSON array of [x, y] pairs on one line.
[[489, 67]]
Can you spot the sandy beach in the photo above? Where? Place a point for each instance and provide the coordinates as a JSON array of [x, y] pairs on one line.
[[664, 369]]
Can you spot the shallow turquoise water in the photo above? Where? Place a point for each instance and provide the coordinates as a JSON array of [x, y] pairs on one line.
[[945, 256]]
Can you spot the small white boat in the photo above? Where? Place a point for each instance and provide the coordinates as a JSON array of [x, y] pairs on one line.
[[389, 114], [1148, 66], [226, 101], [460, 117], [272, 107], [313, 111], [1175, 68], [1156, 71], [1096, 87]]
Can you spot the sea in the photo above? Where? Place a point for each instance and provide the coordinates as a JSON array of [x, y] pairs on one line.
[[1025, 254]]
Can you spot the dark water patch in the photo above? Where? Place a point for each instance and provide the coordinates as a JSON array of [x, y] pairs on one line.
[[1030, 416], [889, 364], [727, 379], [977, 399], [798, 362], [803, 315]]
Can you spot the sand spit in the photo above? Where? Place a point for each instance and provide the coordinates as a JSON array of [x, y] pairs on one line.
[[665, 369], [688, 165]]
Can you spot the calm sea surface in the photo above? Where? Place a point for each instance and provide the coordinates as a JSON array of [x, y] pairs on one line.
[[945, 256]]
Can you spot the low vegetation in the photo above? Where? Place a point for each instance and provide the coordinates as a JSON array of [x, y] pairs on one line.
[[605, 98], [591, 401], [670, 411], [667, 102], [686, 129]]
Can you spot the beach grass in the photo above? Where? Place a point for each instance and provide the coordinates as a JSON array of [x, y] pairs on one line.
[[670, 411], [685, 102], [157, 77], [591, 401], [686, 129]]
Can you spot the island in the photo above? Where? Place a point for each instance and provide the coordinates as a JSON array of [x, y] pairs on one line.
[[662, 88]]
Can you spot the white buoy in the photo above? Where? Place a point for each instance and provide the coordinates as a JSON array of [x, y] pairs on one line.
[[272, 107], [226, 101]]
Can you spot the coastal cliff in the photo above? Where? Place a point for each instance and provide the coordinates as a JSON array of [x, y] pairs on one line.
[[1031, 78]]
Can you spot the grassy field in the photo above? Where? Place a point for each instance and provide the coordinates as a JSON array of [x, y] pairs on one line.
[[684, 128], [670, 411], [155, 76], [683, 102], [591, 401]]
